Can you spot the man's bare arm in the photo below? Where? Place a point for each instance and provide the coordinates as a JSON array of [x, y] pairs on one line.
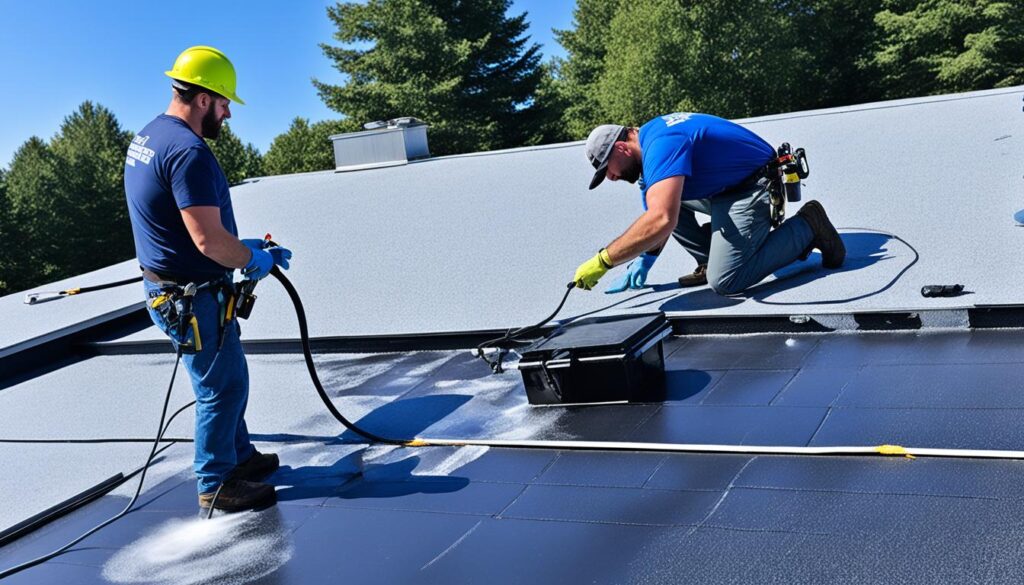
[[652, 229], [215, 242]]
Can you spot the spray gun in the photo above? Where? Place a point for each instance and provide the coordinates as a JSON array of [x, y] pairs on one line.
[[244, 297], [791, 168]]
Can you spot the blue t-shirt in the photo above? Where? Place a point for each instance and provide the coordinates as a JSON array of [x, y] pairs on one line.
[[713, 154], [169, 168]]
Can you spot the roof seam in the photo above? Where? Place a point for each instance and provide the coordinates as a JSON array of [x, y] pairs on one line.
[[870, 493]]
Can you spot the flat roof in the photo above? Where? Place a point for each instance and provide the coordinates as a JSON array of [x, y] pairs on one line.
[[445, 514]]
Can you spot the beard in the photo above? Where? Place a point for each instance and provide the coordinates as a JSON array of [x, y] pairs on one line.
[[632, 173], [210, 124]]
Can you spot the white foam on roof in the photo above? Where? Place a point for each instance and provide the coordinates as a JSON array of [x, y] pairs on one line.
[[230, 549]]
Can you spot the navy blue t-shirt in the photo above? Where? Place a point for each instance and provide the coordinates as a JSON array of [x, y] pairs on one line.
[[713, 154], [169, 168]]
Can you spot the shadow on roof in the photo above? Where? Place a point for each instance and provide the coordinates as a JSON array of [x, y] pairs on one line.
[[408, 417]]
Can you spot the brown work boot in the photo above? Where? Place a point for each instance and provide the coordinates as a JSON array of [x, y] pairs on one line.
[[826, 238], [237, 495], [257, 467], [698, 278]]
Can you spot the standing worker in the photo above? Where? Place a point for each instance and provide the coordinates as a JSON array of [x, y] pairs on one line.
[[688, 163], [184, 229]]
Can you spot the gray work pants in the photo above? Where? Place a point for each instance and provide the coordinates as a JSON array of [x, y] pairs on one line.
[[741, 248]]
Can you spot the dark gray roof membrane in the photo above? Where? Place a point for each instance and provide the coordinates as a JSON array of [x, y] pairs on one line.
[[916, 389], [557, 516]]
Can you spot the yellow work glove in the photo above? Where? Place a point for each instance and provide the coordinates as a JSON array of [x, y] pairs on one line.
[[592, 270]]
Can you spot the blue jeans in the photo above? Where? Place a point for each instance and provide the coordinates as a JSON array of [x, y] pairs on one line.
[[741, 248], [220, 381]]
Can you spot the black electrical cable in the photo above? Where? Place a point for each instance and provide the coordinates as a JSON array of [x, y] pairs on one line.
[[96, 441], [163, 439], [917, 256], [152, 453], [513, 336]]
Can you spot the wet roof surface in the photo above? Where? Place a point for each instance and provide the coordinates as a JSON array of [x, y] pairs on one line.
[[447, 515]]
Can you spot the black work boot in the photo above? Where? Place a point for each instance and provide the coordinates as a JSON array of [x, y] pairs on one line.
[[698, 278], [826, 238], [257, 467], [237, 494]]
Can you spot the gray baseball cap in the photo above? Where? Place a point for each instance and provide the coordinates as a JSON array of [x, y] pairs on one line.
[[599, 148]]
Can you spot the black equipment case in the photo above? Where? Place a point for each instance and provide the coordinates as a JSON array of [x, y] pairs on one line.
[[599, 359]]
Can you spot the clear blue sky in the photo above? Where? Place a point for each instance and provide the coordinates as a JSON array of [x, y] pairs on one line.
[[57, 54]]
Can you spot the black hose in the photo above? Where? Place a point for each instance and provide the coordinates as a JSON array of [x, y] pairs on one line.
[[512, 336], [85, 289], [300, 314]]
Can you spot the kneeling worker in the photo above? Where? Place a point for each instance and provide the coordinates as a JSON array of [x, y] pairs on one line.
[[184, 229], [686, 163]]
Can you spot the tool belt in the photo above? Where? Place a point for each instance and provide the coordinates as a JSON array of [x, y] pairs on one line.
[[174, 304], [782, 176], [786, 170]]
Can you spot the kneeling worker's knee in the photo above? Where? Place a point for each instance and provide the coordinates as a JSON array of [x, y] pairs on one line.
[[724, 285]]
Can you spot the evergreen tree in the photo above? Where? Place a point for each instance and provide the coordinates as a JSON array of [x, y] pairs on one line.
[[7, 234], [67, 200], [40, 214], [551, 102], [840, 35], [90, 151], [305, 147], [941, 46], [576, 76], [238, 161], [630, 61], [465, 68]]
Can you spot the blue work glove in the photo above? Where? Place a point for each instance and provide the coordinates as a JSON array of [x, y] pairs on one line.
[[261, 261], [281, 256], [254, 243], [636, 274]]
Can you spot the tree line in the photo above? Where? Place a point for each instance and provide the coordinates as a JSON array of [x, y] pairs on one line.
[[470, 71]]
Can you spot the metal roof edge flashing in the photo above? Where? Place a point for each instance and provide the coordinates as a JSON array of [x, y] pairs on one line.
[[373, 165], [519, 149], [973, 317], [436, 341], [70, 330], [61, 347], [898, 103], [962, 318]]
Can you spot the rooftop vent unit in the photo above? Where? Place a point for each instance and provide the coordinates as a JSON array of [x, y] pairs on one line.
[[384, 143]]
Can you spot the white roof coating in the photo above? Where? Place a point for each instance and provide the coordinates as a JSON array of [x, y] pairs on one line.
[[489, 240]]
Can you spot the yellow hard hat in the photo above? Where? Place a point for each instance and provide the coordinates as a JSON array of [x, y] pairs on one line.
[[206, 67]]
